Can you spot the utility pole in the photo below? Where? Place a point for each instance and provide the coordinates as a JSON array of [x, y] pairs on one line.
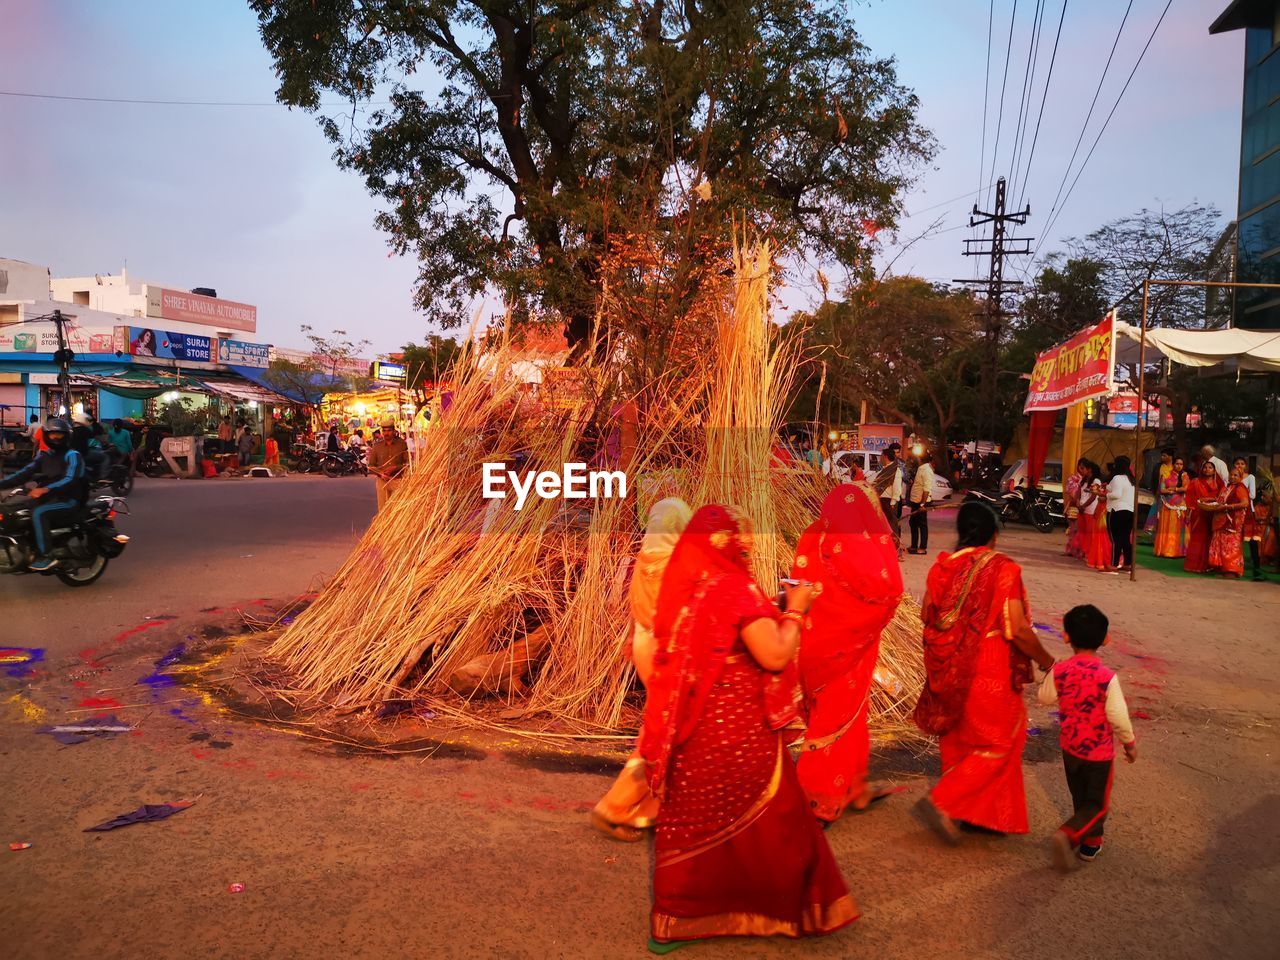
[[995, 286], [63, 358]]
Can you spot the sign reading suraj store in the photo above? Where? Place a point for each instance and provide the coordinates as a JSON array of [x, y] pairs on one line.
[[146, 342], [1079, 369]]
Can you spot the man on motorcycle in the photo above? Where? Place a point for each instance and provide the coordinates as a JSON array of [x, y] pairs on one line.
[[61, 488]]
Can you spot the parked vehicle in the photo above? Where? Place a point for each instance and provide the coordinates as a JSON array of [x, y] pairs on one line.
[[306, 458], [152, 463], [82, 547], [842, 462], [1051, 481], [117, 475], [344, 463], [1020, 505]]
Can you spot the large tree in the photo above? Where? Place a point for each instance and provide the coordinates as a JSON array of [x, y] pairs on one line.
[[906, 347], [516, 146]]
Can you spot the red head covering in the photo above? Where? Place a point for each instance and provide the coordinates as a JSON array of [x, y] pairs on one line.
[[707, 597], [850, 555]]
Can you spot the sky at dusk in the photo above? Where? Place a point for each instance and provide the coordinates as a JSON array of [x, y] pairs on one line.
[[249, 201]]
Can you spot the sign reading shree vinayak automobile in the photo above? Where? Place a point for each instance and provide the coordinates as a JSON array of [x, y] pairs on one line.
[[1079, 369], [197, 308]]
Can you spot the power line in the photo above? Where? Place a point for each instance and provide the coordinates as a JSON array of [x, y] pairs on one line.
[[1053, 218], [944, 203], [1028, 93], [1088, 116], [1031, 156], [986, 91], [166, 103], [995, 150]]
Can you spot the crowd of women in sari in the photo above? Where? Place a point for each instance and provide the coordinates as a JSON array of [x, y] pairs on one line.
[[1205, 516], [733, 675]]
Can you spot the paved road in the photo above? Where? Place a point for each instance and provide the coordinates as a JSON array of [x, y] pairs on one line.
[[478, 848], [196, 544]]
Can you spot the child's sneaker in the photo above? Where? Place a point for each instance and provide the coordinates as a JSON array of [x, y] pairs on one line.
[[1060, 844], [1089, 852]]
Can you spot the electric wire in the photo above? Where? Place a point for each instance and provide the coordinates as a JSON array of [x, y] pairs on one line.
[[1031, 155]]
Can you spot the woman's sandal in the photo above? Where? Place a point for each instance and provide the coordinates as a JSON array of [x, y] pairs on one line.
[[618, 831], [878, 791], [660, 947]]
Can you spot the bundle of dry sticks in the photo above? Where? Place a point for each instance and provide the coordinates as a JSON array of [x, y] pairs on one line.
[[452, 594]]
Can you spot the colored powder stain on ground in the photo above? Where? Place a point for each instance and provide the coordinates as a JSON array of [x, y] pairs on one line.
[[90, 703], [17, 661], [147, 625], [31, 711]]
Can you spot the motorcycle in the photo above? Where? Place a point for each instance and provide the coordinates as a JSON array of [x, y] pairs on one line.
[[344, 463], [114, 473], [306, 458], [82, 544], [1019, 505], [152, 463]]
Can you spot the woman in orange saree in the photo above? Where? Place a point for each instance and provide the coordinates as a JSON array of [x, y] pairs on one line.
[[978, 647], [1226, 546], [630, 807], [1171, 525], [850, 555], [1202, 493], [736, 851]]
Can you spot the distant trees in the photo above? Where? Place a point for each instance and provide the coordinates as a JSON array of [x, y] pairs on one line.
[[906, 347]]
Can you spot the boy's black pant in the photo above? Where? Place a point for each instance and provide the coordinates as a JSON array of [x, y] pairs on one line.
[[1090, 784]]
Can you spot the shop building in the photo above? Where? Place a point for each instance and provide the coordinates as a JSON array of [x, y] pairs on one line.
[[136, 344]]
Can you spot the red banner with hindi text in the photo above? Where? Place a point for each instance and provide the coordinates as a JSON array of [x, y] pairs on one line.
[[1079, 369]]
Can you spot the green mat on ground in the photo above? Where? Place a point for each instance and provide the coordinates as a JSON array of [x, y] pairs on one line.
[[1172, 566]]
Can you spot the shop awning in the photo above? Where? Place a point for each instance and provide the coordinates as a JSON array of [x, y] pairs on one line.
[[246, 392], [1257, 350], [142, 383]]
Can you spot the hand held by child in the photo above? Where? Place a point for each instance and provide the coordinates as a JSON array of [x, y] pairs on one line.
[[1130, 752]]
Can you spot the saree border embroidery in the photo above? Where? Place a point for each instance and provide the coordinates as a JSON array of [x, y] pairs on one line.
[[948, 620], [818, 918], [751, 815], [831, 737]]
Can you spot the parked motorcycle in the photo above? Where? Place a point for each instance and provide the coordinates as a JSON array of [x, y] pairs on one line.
[[116, 474], [344, 463], [152, 463], [1019, 505], [84, 542], [306, 458]]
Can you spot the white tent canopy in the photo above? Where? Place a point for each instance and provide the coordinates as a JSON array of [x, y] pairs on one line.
[[1257, 350]]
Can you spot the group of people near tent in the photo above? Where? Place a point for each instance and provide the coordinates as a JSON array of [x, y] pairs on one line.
[[1206, 515], [739, 843], [1209, 514]]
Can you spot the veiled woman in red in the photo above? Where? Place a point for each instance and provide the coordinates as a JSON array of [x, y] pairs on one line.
[[736, 850], [850, 555], [978, 648], [1226, 546], [1202, 494]]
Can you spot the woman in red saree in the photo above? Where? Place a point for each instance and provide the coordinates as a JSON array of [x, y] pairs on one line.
[[736, 850], [1202, 492], [978, 648], [1093, 519], [850, 555], [1226, 546]]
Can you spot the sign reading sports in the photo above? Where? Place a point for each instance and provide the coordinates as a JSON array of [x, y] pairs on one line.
[[1080, 369]]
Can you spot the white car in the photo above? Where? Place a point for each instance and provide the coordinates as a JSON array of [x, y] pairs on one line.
[[843, 461]]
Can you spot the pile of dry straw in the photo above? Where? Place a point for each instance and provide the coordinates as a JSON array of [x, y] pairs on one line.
[[450, 592]]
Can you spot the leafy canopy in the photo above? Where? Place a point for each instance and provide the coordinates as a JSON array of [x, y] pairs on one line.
[[521, 143]]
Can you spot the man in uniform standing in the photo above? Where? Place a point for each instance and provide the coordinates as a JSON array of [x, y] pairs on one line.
[[388, 459]]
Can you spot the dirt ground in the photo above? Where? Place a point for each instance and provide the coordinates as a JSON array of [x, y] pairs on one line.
[[476, 847]]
